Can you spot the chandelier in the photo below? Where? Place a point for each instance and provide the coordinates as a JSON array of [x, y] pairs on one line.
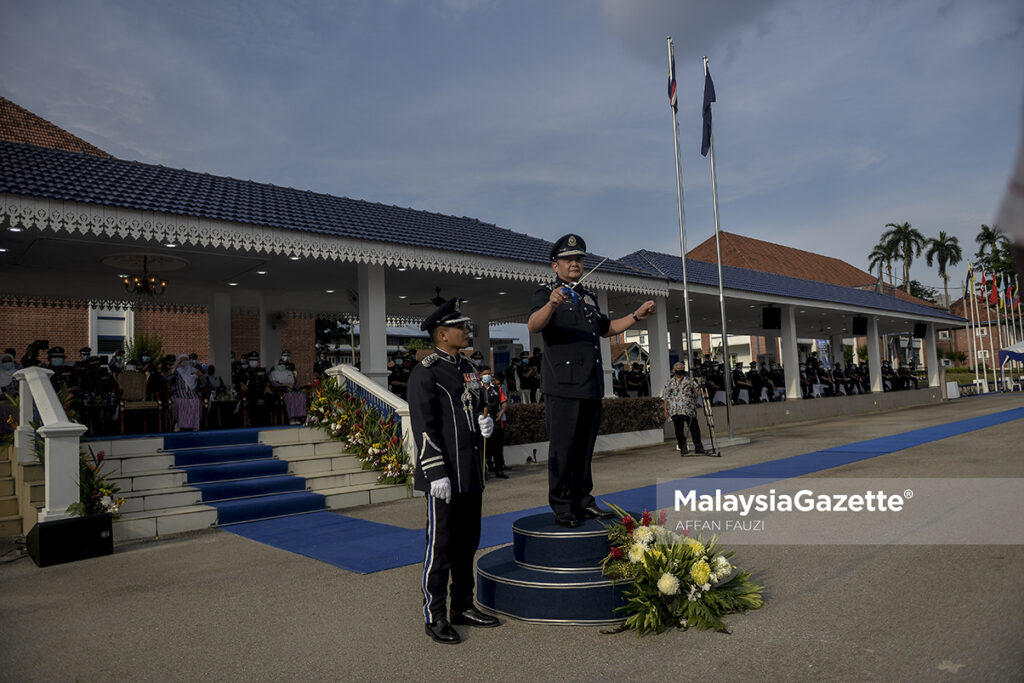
[[146, 283]]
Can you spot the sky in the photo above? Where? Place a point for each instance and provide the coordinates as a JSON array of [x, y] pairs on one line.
[[547, 117]]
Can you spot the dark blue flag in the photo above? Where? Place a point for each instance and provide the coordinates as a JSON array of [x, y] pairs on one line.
[[709, 97]]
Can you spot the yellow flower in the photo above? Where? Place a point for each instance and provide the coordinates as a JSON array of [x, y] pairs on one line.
[[696, 547], [653, 556], [668, 584], [636, 552], [700, 573]]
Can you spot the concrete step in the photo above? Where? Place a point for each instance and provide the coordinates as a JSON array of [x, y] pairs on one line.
[[363, 494], [10, 525], [8, 505], [5, 468], [335, 479], [6, 486], [301, 466], [147, 524], [148, 480], [293, 435]]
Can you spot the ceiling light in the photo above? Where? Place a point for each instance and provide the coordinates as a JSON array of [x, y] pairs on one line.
[[261, 272], [13, 229], [170, 245], [478, 277], [502, 293], [329, 291], [402, 296], [402, 269], [2, 249], [294, 258], [232, 284], [146, 283]]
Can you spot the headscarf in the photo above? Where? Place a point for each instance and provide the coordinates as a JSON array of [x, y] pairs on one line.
[[187, 373], [7, 376]]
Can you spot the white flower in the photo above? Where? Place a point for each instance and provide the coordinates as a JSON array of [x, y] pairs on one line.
[[694, 594], [664, 536], [643, 535], [636, 552], [722, 566], [706, 587], [668, 584]]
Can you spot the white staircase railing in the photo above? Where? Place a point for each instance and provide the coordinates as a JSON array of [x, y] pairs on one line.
[[386, 403], [61, 439]]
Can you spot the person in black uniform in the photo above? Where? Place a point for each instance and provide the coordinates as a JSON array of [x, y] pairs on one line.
[[572, 378], [446, 402]]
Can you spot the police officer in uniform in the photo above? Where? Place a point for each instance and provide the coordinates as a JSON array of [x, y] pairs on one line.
[[446, 402], [572, 378]]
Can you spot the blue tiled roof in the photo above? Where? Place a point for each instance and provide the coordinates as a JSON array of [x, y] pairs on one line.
[[704, 273], [68, 176]]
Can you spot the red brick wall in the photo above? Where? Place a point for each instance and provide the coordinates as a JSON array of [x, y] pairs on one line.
[[22, 325], [299, 337], [179, 332], [245, 333]]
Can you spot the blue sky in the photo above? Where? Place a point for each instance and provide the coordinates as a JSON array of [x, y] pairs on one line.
[[544, 117]]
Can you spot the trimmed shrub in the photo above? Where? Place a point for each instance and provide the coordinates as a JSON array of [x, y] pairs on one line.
[[527, 422]]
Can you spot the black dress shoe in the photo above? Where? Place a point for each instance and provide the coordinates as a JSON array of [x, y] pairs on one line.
[[471, 616], [442, 632], [594, 512], [501, 475], [567, 519], [699, 451]]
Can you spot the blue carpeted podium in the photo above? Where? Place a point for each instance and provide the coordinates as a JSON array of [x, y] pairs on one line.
[[550, 575]]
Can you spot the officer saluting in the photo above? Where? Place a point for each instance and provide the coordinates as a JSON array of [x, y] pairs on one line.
[[446, 401], [572, 378]]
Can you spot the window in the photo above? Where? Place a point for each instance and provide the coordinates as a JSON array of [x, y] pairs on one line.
[[983, 353], [980, 331], [943, 335]]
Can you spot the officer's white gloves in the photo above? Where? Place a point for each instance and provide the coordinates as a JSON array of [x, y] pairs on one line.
[[486, 426], [442, 488]]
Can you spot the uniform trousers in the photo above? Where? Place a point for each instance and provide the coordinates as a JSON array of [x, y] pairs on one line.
[[453, 536], [572, 432]]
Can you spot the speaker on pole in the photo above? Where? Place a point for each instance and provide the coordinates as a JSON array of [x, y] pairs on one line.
[[860, 325], [771, 318], [920, 330]]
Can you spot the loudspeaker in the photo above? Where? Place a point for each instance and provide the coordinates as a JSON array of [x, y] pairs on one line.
[[920, 330], [860, 325], [70, 540], [771, 318]]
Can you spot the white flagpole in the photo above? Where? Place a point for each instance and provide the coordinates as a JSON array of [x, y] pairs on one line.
[[688, 358], [977, 342], [968, 331], [991, 347], [721, 288]]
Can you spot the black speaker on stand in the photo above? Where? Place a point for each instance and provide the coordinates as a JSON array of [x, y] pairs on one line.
[[860, 326], [69, 540], [920, 330], [771, 318]]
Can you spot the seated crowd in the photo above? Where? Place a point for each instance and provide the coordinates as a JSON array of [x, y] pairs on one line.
[[184, 393]]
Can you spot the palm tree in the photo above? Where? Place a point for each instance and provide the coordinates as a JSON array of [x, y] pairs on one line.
[[990, 238], [945, 250], [906, 242], [881, 257]]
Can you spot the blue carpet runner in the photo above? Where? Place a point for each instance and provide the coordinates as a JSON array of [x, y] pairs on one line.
[[366, 547], [239, 476]]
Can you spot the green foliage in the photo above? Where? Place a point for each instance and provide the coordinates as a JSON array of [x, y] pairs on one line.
[[96, 495], [923, 292], [142, 341], [414, 344], [862, 353], [906, 243], [847, 355], [527, 422]]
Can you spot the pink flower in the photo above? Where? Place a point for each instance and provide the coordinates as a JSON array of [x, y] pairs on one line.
[[662, 517], [646, 520]]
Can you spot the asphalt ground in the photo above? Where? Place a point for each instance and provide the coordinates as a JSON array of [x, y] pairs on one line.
[[214, 606]]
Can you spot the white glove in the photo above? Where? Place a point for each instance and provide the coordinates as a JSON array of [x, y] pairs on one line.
[[442, 488], [486, 426]]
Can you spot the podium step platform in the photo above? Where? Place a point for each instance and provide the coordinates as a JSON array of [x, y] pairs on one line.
[[551, 575]]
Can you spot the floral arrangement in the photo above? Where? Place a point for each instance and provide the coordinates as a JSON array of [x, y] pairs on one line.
[[95, 493], [376, 441], [676, 580]]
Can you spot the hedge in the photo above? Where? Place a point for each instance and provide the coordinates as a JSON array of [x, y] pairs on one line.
[[527, 422]]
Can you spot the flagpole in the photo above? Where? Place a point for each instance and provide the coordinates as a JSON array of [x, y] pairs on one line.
[[688, 363], [977, 319], [967, 329], [718, 248], [988, 332]]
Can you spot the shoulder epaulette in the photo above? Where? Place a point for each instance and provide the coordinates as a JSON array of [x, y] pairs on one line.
[[430, 360], [550, 286]]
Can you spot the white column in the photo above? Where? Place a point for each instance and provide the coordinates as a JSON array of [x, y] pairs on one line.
[[61, 470], [24, 435], [837, 348], [790, 356], [874, 355], [657, 342], [931, 358], [536, 342], [676, 332], [270, 334], [606, 349], [373, 337], [218, 317]]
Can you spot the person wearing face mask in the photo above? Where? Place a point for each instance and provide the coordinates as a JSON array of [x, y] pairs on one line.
[[255, 390], [680, 398], [497, 403], [286, 385], [185, 383], [63, 375], [398, 378]]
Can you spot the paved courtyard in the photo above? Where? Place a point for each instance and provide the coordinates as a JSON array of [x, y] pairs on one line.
[[215, 606]]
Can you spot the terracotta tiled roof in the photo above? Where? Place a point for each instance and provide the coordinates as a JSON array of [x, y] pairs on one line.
[[768, 257], [18, 124]]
